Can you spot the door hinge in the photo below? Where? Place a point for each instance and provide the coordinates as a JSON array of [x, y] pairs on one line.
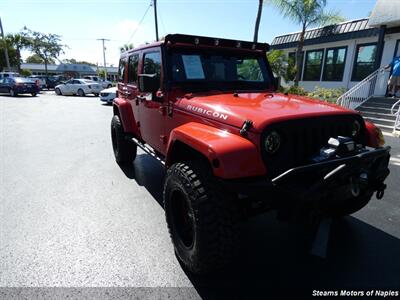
[[163, 139]]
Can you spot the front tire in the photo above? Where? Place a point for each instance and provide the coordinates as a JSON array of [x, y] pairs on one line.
[[96, 95], [202, 223], [13, 93], [58, 92], [33, 94], [124, 151]]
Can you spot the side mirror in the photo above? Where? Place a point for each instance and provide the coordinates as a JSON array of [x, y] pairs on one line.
[[149, 83]]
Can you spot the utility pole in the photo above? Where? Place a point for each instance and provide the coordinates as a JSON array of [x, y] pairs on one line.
[[5, 47], [104, 56], [155, 17]]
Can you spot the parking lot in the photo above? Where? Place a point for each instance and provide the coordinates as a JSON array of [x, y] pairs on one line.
[[71, 217]]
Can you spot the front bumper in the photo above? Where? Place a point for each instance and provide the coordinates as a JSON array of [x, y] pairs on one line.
[[320, 184]]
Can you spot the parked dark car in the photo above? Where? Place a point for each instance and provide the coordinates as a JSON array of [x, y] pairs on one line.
[[18, 85]]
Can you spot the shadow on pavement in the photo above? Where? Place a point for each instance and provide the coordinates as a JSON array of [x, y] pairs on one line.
[[148, 173], [275, 260]]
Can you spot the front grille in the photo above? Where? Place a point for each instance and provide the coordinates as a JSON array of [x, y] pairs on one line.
[[301, 139], [104, 94]]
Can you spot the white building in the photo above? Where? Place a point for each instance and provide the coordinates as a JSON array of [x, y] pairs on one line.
[[341, 55]]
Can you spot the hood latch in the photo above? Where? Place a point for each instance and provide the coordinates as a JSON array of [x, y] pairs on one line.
[[246, 127]]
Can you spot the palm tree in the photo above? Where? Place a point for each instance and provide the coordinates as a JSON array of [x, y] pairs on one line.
[[126, 47], [18, 42], [306, 13], [258, 19]]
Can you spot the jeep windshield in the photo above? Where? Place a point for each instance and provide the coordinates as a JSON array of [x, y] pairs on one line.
[[216, 69]]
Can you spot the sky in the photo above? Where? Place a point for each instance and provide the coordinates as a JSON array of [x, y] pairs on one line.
[[81, 22]]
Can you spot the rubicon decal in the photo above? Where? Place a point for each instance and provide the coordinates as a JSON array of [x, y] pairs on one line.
[[211, 113]]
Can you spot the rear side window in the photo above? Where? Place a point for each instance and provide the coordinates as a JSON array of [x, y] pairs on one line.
[[121, 69], [152, 63], [133, 68]]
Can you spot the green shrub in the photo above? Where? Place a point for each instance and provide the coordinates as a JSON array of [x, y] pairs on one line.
[[296, 90], [323, 94], [328, 95], [25, 72]]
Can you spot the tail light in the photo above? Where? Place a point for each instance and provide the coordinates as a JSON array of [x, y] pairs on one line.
[[374, 136]]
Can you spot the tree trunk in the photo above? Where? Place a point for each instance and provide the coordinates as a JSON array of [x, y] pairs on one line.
[[45, 66], [257, 26], [299, 61], [18, 60]]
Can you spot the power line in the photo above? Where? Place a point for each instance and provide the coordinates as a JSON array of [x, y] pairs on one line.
[[140, 23]]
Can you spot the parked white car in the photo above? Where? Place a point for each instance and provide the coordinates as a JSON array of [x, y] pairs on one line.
[[8, 74], [108, 95], [104, 83], [80, 87]]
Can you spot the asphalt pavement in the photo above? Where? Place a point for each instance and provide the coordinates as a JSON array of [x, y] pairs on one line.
[[71, 218]]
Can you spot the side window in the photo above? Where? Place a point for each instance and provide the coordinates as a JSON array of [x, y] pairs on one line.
[[121, 69], [133, 68], [313, 65], [364, 62], [152, 63]]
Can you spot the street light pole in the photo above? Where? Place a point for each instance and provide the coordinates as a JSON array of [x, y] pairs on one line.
[[104, 56], [5, 48], [155, 17]]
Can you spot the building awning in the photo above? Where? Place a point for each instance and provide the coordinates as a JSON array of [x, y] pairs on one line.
[[327, 34], [385, 12]]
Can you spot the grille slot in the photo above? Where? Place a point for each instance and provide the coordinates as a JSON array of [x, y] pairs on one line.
[[303, 138]]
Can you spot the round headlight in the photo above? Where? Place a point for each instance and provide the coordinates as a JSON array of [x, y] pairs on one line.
[[272, 142], [355, 129]]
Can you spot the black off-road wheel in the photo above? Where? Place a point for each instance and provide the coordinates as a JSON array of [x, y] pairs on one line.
[[202, 222], [124, 150]]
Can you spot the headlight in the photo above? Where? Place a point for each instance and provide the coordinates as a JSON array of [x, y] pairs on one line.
[[272, 142], [355, 128]]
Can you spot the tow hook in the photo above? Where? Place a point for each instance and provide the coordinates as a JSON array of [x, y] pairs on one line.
[[355, 183], [380, 191]]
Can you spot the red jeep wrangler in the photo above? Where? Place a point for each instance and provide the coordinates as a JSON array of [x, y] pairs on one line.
[[207, 109]]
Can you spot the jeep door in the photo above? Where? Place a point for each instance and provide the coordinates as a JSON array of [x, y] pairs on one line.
[[4, 86], [131, 87], [152, 105]]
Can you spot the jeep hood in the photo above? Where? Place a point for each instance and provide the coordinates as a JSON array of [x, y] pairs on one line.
[[261, 108]]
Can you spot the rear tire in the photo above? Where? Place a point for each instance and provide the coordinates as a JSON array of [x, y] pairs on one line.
[[124, 151], [81, 93], [202, 220]]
